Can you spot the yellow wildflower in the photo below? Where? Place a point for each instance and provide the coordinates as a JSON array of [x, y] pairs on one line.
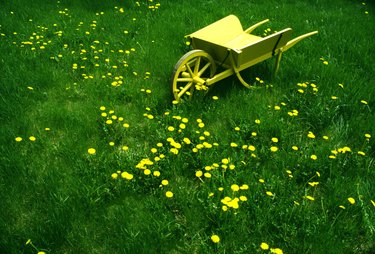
[[215, 238], [169, 194], [351, 200], [264, 246]]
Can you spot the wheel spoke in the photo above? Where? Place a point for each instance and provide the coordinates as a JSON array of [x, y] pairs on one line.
[[197, 63], [184, 79], [187, 87], [204, 69], [190, 71]]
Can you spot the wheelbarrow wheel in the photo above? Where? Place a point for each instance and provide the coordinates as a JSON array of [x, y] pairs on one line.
[[191, 72]]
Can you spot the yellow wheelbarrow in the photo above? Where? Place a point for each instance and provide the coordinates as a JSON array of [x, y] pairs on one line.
[[225, 44]]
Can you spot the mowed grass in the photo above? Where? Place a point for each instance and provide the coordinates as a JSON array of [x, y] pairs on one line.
[[95, 157]]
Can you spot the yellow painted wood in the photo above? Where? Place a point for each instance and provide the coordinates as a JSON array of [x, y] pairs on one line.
[[225, 43]]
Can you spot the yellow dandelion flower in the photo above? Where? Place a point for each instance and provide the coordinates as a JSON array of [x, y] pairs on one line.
[[125, 148], [251, 148], [18, 139], [314, 157], [233, 144], [207, 175], [109, 121], [169, 194], [257, 121], [325, 137], [235, 187], [154, 150], [261, 180], [372, 202], [342, 207], [364, 102], [215, 238], [237, 129], [295, 148], [351, 200], [224, 208], [274, 148], [111, 143], [310, 198], [187, 141], [264, 246], [199, 173], [311, 135], [244, 187], [147, 172], [277, 107], [165, 182], [215, 98], [114, 176], [276, 250], [269, 193], [275, 140], [201, 125], [243, 198], [91, 151], [156, 173], [254, 134], [361, 153], [225, 161], [368, 136]]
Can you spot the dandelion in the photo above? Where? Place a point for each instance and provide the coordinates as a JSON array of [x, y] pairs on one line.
[[251, 148], [237, 129], [269, 193], [325, 137], [275, 140], [91, 151], [276, 250], [224, 208], [225, 161], [364, 102], [277, 107], [244, 187], [310, 198], [207, 175], [169, 194], [373, 202], [114, 176], [156, 173], [261, 180], [274, 148], [18, 139], [264, 246], [187, 141], [368, 136], [243, 198], [147, 172], [257, 121], [311, 135], [215, 98], [164, 182], [233, 144], [351, 200], [295, 148], [127, 176], [334, 97], [342, 207], [254, 134], [199, 173], [361, 153], [314, 157], [235, 187], [111, 143], [215, 238], [125, 148]]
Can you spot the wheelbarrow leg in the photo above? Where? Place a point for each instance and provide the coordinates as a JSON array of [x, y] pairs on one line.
[[277, 63]]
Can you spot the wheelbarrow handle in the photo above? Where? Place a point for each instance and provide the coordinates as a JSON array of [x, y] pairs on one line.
[[250, 29], [291, 43]]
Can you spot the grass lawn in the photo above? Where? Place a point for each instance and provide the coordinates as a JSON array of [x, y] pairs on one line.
[[95, 157]]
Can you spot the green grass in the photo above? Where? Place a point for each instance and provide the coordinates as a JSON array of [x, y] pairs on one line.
[[65, 200]]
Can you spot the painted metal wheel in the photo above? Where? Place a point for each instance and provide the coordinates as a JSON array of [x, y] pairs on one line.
[[191, 72]]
